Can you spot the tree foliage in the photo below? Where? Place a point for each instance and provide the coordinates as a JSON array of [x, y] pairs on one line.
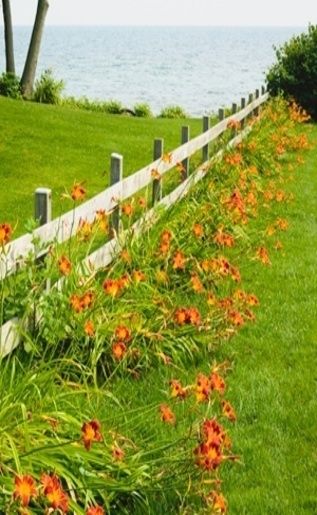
[[295, 72]]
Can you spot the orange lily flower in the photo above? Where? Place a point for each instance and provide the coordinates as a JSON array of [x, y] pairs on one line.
[[125, 256], [123, 281], [87, 299], [167, 158], [5, 233], [240, 295], [225, 303], [213, 433], [211, 299], [101, 220], [111, 287], [252, 300], [166, 236], [122, 333], [24, 489], [89, 328], [118, 350], [236, 318], [282, 224], [78, 192], [95, 510], [196, 283], [179, 261], [91, 433], [263, 255], [127, 209], [217, 383], [235, 274], [198, 230], [65, 266], [142, 202], [138, 276], [218, 502], [117, 453], [203, 388], [228, 411], [167, 415], [234, 159], [180, 316], [193, 316], [156, 174], [53, 490], [177, 390], [208, 456], [84, 230], [76, 304]]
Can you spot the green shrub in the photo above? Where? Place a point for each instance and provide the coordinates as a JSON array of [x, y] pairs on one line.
[[97, 106], [10, 86], [47, 89], [143, 111], [295, 72], [173, 112], [113, 107]]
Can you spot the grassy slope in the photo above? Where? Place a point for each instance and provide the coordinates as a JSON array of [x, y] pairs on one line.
[[274, 381], [52, 146]]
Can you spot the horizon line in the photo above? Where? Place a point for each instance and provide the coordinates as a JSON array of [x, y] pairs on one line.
[[165, 26]]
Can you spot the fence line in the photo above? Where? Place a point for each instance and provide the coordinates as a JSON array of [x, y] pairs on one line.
[[64, 227]]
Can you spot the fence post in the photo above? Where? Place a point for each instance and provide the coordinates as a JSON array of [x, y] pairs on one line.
[[158, 151], [250, 99], [221, 114], [43, 205], [116, 175], [243, 104], [263, 90], [257, 95], [234, 110], [184, 139], [206, 127], [42, 213]]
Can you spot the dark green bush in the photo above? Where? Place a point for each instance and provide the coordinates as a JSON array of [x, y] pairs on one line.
[[47, 89], [294, 75], [10, 86]]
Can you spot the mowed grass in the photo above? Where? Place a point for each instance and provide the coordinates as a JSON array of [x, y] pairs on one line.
[[49, 146], [274, 383]]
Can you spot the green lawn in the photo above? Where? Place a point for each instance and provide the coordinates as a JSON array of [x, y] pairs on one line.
[[48, 146], [272, 384]]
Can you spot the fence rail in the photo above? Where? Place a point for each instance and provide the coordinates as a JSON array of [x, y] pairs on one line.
[[63, 228]]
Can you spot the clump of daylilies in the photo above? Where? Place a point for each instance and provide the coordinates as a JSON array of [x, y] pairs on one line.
[[214, 444], [49, 492]]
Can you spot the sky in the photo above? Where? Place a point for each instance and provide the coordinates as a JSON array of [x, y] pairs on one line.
[[170, 12]]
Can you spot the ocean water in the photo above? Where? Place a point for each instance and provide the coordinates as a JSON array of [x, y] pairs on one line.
[[199, 68]]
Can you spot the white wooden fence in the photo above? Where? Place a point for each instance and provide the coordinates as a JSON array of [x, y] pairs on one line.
[[61, 229]]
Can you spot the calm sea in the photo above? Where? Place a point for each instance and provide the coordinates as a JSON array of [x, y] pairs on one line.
[[198, 68]]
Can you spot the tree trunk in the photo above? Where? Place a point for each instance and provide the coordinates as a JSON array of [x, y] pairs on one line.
[[8, 36], [28, 76]]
